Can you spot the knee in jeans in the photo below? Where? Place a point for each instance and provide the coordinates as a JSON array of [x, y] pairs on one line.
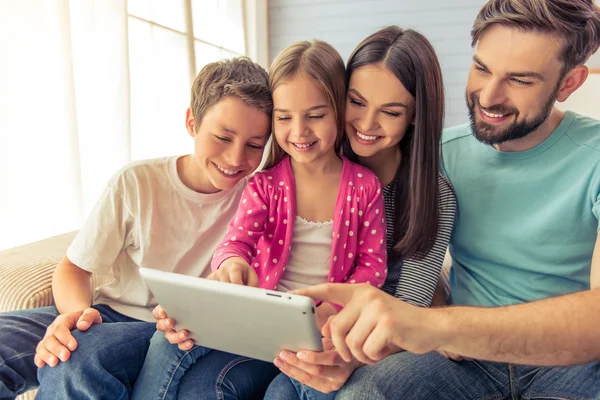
[[160, 346], [158, 341]]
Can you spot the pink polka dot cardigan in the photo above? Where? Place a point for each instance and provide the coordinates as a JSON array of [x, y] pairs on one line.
[[261, 231]]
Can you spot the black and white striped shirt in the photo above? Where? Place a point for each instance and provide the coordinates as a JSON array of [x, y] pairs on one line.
[[412, 280]]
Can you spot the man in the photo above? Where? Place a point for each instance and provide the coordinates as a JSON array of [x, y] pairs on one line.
[[525, 279]]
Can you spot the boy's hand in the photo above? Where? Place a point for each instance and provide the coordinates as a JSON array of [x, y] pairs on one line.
[[235, 270], [166, 325], [58, 342]]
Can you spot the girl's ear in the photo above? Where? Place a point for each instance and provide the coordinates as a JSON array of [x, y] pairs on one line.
[[190, 122]]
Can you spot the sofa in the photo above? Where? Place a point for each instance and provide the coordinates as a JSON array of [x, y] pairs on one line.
[[26, 276]]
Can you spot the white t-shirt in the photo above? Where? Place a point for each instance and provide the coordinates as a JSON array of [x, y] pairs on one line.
[[310, 258], [147, 217]]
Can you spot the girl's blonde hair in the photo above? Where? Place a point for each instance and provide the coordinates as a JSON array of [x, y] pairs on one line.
[[321, 62]]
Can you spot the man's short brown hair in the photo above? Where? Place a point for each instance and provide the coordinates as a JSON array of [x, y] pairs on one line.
[[576, 22], [239, 77]]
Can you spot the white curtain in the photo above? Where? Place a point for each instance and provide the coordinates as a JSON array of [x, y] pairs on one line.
[[87, 86], [64, 112]]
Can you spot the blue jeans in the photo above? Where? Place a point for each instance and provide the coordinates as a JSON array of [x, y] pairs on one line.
[[199, 373], [96, 369], [431, 376], [285, 388]]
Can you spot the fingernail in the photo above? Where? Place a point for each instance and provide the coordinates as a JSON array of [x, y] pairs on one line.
[[181, 335], [52, 360], [301, 355], [278, 363], [62, 355], [284, 355], [168, 323], [188, 345], [71, 346]]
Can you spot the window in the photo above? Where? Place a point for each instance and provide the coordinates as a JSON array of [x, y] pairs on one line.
[[106, 82], [169, 43]]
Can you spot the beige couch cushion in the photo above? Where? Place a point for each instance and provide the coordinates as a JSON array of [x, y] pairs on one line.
[[26, 273]]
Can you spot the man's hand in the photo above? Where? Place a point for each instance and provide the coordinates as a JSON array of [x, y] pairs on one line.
[[235, 270], [324, 371], [58, 342], [166, 325], [323, 313], [372, 324]]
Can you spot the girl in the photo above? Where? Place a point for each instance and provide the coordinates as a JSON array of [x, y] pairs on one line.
[[394, 117], [311, 217]]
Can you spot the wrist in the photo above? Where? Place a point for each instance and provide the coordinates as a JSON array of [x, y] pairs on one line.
[[74, 308], [438, 327], [232, 260]]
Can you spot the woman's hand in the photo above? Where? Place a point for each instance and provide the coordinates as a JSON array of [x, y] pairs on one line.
[[324, 371]]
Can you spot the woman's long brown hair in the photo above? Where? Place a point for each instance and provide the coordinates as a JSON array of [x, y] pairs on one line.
[[410, 56]]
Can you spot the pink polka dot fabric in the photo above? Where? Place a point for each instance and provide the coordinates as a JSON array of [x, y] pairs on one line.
[[261, 231]]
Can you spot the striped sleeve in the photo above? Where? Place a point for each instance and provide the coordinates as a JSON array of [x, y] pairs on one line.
[[415, 280]]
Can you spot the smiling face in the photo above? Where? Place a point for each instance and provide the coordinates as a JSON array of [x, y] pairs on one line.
[[513, 83], [379, 110], [228, 144], [304, 122]]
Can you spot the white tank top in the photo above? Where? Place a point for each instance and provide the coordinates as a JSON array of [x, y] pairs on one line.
[[310, 256]]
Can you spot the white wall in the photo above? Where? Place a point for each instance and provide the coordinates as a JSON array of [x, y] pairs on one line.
[[344, 23]]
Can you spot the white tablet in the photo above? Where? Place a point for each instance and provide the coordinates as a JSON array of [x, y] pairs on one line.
[[237, 319]]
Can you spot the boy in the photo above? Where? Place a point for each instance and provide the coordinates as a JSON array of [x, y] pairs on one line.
[[167, 214]]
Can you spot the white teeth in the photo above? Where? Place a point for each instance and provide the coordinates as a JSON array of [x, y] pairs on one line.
[[303, 145], [492, 115], [227, 171], [365, 137]]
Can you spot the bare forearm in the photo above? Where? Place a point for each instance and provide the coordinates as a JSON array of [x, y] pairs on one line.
[[558, 331], [71, 287]]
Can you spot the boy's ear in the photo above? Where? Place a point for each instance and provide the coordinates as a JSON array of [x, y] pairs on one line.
[[571, 82], [190, 122]]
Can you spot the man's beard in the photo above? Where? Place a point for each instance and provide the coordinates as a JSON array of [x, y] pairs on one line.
[[487, 133]]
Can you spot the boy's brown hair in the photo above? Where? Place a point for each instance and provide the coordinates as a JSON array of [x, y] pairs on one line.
[[321, 62], [576, 22], [239, 77]]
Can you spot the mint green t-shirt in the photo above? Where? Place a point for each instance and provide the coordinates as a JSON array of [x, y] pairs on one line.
[[527, 221]]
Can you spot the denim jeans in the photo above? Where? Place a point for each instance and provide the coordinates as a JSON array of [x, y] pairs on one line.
[[210, 374], [163, 368], [104, 365], [285, 388], [431, 376]]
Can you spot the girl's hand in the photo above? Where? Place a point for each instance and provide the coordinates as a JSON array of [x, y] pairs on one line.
[[166, 325], [235, 270], [324, 371]]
